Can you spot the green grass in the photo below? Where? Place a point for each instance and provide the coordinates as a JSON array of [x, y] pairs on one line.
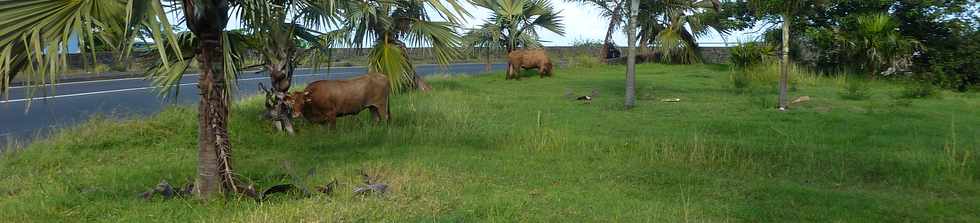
[[486, 149]]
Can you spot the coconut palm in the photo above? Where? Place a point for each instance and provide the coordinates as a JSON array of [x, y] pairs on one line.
[[514, 24], [613, 10], [392, 26], [675, 25], [34, 41], [785, 9], [875, 41], [631, 55], [276, 30]]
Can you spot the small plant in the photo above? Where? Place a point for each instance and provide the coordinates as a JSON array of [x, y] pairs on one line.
[[856, 90], [919, 90], [102, 68]]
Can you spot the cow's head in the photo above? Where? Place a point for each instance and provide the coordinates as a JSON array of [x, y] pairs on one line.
[[296, 101]]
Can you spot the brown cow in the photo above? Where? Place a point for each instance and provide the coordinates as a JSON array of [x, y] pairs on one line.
[[324, 100], [519, 60]]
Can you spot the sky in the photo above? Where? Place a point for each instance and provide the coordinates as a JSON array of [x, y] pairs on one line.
[[581, 23], [585, 23]]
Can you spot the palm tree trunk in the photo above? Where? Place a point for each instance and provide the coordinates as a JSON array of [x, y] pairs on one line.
[[214, 148], [281, 76], [613, 21], [487, 67], [631, 56], [784, 69]]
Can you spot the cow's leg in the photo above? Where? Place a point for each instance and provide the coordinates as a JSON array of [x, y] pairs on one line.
[[331, 119], [510, 71], [385, 112], [376, 114], [542, 71]]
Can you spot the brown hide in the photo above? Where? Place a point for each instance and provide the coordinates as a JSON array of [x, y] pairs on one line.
[[528, 59], [324, 100]]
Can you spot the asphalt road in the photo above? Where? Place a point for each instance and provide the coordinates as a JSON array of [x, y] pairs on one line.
[[75, 102]]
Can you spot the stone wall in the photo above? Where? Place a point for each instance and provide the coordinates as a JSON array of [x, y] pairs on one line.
[[715, 55]]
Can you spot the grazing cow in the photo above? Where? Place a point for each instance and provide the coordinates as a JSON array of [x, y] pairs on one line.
[[519, 60], [324, 100]]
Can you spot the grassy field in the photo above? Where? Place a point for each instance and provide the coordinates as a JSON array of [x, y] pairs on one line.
[[485, 149]]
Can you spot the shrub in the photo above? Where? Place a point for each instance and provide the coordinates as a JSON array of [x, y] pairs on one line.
[[750, 54], [856, 90], [919, 90], [584, 61]]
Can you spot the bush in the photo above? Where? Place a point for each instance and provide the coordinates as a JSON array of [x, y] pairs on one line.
[[584, 61], [856, 90], [750, 54], [587, 43], [919, 90]]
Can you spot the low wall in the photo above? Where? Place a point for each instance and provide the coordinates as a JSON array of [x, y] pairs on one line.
[[715, 55]]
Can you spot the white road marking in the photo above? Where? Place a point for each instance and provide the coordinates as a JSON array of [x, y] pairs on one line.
[[145, 88], [191, 75], [129, 78]]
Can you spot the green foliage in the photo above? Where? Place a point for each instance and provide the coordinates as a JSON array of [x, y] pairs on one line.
[[712, 157], [587, 44], [36, 33], [917, 90], [584, 61], [741, 81], [856, 89], [399, 24], [767, 75], [514, 24], [750, 54]]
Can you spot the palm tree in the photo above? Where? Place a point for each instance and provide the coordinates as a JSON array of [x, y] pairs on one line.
[[876, 42], [514, 24], [785, 9], [276, 28], [631, 55], [389, 24], [34, 43], [675, 25], [612, 9]]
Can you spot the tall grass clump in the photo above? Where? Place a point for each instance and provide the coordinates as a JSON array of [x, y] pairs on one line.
[[584, 61], [919, 90], [756, 64], [855, 89]]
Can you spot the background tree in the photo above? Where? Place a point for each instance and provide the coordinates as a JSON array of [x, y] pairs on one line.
[[514, 24], [631, 55], [875, 41], [675, 25], [613, 10], [785, 10], [389, 24]]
